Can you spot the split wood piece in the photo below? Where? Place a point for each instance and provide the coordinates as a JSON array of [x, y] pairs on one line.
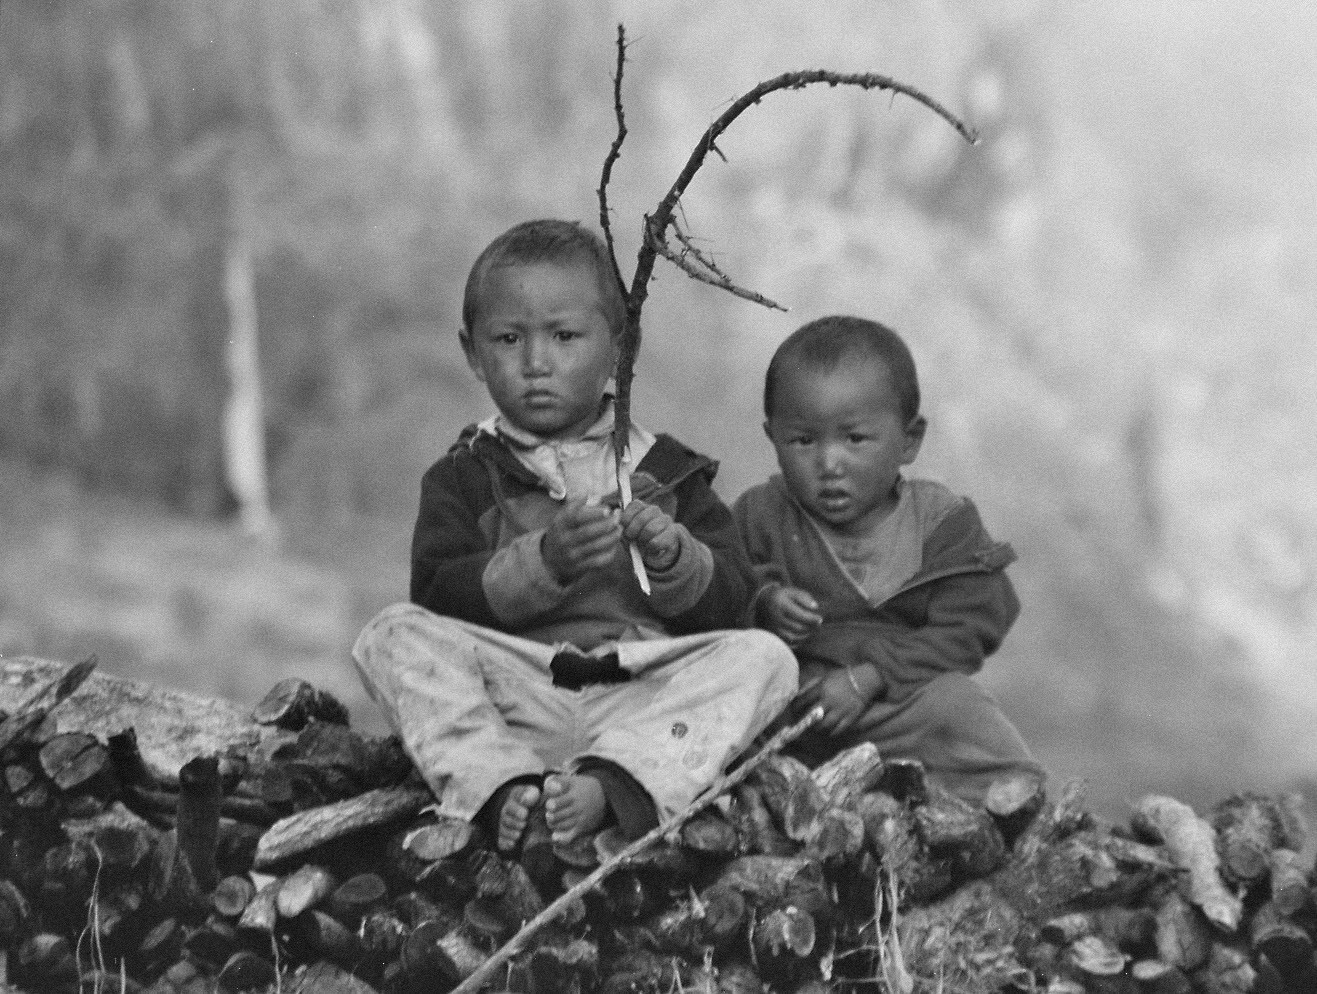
[[323, 977], [573, 895], [952, 827], [357, 896], [1248, 829], [1014, 801], [778, 880], [973, 928], [439, 839], [172, 727], [162, 945], [414, 908], [47, 957], [711, 835], [246, 971], [755, 823], [300, 833], [232, 895], [569, 966], [1094, 956], [114, 913], [890, 831], [291, 703], [15, 913], [1191, 843], [1183, 936], [850, 773], [708, 920], [1282, 941], [782, 933], [123, 840], [466, 955], [326, 937], [304, 888], [77, 762], [1055, 821], [791, 794], [25, 715], [1157, 977], [1289, 873], [836, 835], [507, 890], [198, 819], [261, 915], [424, 963], [382, 934], [1228, 971], [211, 944], [904, 779], [1128, 929]]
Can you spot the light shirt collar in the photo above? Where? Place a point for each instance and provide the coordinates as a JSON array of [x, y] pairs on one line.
[[577, 467]]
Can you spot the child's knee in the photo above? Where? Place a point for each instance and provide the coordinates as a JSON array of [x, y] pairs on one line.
[[764, 656]]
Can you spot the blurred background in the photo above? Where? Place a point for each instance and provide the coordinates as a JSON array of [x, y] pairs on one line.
[[234, 236]]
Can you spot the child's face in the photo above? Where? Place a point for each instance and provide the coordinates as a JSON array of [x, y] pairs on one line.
[[841, 441], [543, 347]]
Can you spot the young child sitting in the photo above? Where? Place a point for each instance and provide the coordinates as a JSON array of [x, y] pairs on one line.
[[889, 589], [531, 666]]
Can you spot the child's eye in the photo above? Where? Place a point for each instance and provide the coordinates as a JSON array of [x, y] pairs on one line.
[[856, 438], [799, 440], [565, 335], [507, 338]]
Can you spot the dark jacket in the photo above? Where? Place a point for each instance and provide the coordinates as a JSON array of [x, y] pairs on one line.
[[475, 500], [951, 615]]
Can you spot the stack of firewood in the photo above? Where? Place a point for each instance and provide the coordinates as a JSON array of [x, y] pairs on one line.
[[317, 863]]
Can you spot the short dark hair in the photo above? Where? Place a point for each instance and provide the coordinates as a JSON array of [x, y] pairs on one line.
[[823, 345], [552, 241]]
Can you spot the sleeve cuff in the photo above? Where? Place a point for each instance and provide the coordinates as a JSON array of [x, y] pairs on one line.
[[518, 583], [680, 587]]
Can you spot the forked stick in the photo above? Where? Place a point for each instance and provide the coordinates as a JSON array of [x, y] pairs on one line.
[[555, 910], [654, 241]]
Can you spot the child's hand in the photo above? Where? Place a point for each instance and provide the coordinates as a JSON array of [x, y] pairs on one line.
[[654, 532], [845, 695], [789, 613], [582, 537]]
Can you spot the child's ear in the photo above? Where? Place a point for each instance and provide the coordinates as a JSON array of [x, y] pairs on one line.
[[914, 438], [469, 350]]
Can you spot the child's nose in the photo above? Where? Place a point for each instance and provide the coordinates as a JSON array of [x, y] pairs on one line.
[[829, 459], [534, 357]]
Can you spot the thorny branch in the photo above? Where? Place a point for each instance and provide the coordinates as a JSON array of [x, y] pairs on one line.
[[614, 153], [654, 241], [555, 910]]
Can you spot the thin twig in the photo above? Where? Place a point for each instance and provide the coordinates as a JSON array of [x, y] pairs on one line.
[[718, 279], [719, 787], [654, 236], [614, 153]]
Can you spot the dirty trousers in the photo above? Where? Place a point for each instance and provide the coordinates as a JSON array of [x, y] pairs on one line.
[[475, 707], [950, 724]]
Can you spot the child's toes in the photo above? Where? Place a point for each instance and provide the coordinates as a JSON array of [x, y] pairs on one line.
[[516, 815]]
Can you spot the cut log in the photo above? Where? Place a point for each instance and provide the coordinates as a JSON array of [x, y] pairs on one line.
[[162, 945], [778, 881], [326, 978], [792, 795], [198, 819], [327, 938], [28, 694], [424, 964], [567, 967], [508, 891], [246, 971], [76, 761], [262, 912], [1183, 936], [232, 895], [1282, 941], [15, 913], [836, 835], [171, 726], [755, 823], [300, 833], [850, 773], [954, 828], [1157, 977], [1288, 873], [1228, 971], [291, 703], [904, 779], [306, 887], [1191, 843], [1248, 829], [439, 839], [711, 835], [1014, 801], [696, 924], [357, 896]]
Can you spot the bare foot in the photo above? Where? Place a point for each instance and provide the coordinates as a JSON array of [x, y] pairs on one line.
[[512, 820], [575, 805]]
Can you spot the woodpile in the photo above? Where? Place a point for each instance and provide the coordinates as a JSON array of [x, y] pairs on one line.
[[315, 862]]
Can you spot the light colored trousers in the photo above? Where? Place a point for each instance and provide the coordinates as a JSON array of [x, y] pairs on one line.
[[475, 707]]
